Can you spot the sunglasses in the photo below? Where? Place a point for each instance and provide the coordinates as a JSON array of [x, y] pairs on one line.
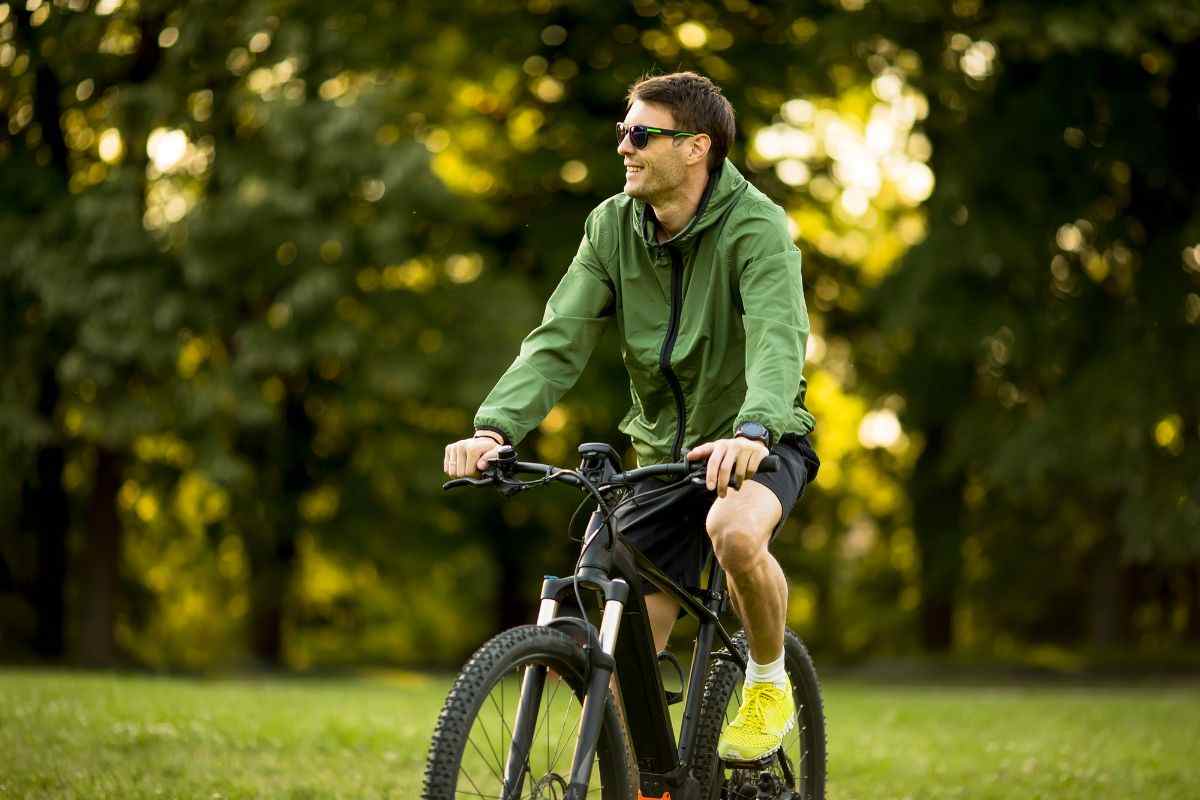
[[640, 135]]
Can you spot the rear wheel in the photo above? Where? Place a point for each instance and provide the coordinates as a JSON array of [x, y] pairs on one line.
[[799, 767], [481, 749]]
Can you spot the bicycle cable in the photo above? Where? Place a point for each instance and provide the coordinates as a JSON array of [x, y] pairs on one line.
[[607, 516]]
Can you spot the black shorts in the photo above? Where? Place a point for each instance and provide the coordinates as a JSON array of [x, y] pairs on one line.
[[670, 528]]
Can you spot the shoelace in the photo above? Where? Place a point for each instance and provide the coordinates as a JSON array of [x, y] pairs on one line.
[[754, 711]]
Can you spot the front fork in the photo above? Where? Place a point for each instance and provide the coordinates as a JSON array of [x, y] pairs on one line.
[[527, 708], [592, 717], [593, 703]]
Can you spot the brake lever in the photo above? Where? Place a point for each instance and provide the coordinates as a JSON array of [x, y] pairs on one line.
[[457, 482]]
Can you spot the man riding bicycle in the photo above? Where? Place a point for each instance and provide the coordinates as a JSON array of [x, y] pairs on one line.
[[699, 271]]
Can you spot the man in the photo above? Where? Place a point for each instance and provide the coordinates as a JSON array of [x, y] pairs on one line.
[[699, 271]]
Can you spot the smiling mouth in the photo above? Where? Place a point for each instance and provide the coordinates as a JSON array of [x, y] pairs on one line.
[[630, 169]]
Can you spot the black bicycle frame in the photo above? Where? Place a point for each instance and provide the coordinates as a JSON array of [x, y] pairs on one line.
[[616, 570], [608, 565]]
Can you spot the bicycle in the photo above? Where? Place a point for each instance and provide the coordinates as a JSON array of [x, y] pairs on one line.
[[555, 677]]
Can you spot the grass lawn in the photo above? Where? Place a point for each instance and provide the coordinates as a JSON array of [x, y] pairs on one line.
[[87, 735]]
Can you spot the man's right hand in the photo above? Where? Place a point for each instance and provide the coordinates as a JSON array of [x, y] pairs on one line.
[[466, 457]]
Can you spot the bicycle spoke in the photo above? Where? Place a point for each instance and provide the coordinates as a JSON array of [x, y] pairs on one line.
[[457, 792], [491, 746], [524, 756], [497, 772], [518, 760], [562, 741], [556, 749], [472, 781], [549, 709]]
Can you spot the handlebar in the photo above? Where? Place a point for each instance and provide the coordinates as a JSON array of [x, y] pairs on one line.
[[503, 468], [514, 468], [681, 468]]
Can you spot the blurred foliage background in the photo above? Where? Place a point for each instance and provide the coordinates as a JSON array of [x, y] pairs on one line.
[[262, 259]]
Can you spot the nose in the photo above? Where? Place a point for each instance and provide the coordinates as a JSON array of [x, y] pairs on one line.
[[625, 147]]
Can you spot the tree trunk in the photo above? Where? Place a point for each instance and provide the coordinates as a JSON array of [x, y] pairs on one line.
[[100, 565], [270, 587], [1106, 603], [272, 547], [1192, 631], [826, 612], [510, 550], [523, 552], [45, 513], [937, 524]]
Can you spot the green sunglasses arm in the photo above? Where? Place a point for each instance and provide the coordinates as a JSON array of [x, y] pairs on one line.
[[664, 132]]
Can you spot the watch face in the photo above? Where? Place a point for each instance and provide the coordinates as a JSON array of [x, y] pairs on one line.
[[753, 429]]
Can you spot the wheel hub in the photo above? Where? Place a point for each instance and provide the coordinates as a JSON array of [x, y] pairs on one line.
[[550, 786]]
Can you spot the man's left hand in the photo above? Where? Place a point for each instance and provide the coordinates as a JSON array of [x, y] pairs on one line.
[[737, 456]]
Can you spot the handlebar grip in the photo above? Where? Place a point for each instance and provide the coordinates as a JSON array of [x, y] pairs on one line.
[[769, 464]]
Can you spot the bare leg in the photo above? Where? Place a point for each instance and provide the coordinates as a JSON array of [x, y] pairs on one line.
[[663, 610], [740, 525]]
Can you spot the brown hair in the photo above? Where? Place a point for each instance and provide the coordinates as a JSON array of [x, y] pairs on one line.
[[697, 105]]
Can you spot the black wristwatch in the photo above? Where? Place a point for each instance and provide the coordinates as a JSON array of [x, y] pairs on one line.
[[756, 431]]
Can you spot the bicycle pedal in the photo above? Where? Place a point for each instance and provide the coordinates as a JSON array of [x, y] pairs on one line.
[[757, 764]]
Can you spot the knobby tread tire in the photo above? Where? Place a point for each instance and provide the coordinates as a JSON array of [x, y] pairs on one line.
[[723, 676], [491, 662]]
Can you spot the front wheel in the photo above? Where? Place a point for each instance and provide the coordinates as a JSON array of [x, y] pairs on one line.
[[482, 746], [799, 767]]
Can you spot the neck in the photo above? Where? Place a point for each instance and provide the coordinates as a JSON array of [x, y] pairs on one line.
[[676, 210]]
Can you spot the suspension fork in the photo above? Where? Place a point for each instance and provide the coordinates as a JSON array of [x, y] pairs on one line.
[[602, 666], [532, 685]]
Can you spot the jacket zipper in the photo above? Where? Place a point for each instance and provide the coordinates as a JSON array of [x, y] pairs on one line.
[[664, 358]]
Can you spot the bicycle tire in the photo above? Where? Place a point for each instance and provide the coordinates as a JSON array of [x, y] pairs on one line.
[[502, 657], [807, 740]]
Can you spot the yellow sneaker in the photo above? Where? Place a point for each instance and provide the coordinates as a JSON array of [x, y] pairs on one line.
[[766, 716]]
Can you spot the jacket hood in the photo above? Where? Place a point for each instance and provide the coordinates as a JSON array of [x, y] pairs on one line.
[[725, 186]]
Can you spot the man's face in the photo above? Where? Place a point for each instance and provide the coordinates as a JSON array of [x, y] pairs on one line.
[[657, 171]]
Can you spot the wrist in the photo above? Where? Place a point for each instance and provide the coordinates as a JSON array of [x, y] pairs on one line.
[[752, 439], [754, 431], [485, 434]]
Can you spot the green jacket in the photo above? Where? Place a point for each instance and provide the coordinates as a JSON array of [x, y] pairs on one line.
[[713, 324]]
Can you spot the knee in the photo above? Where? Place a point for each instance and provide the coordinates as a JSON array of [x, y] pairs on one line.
[[738, 546]]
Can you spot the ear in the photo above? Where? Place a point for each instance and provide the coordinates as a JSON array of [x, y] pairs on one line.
[[698, 147]]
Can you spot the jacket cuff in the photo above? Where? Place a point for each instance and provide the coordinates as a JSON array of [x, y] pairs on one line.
[[503, 434]]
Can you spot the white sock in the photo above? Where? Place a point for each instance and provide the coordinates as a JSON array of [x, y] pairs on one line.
[[766, 673]]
